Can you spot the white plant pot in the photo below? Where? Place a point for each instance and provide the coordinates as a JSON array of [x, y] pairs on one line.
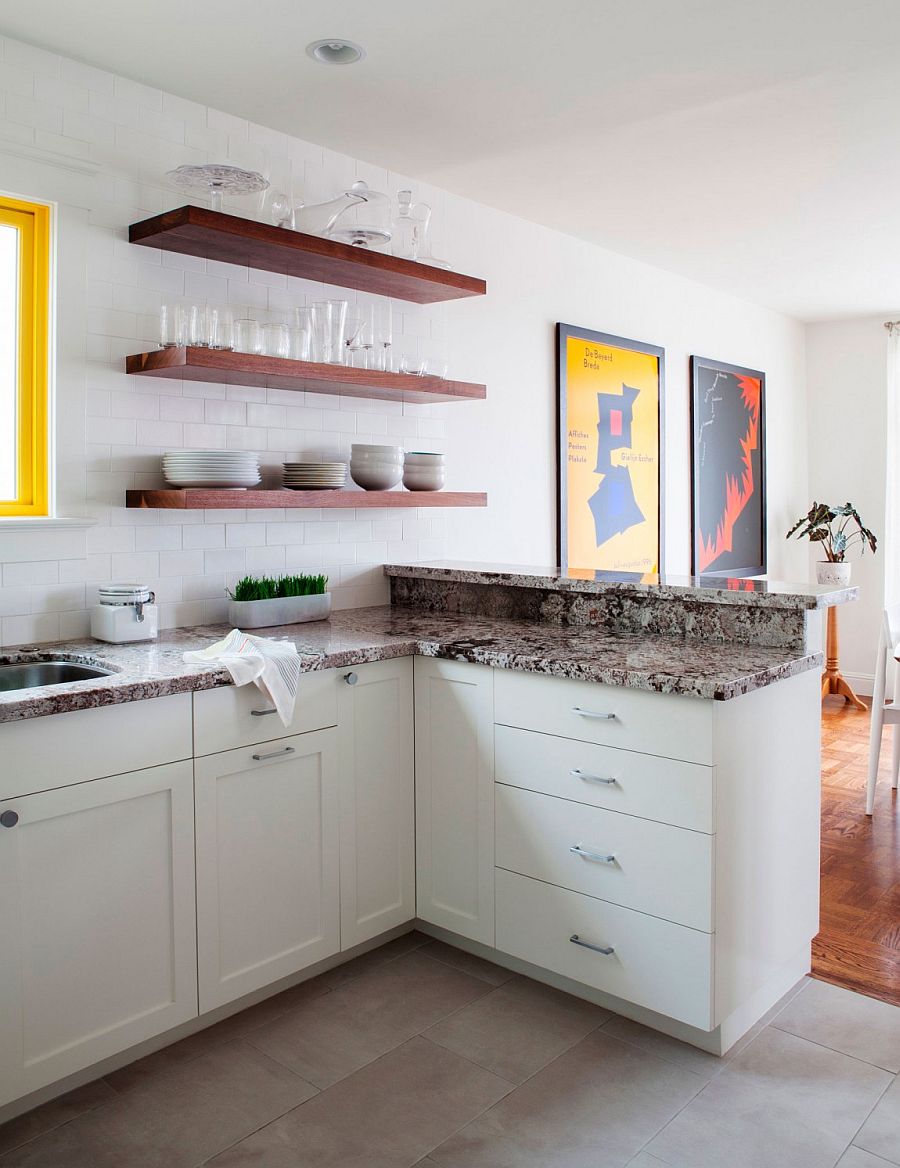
[[283, 610], [837, 575]]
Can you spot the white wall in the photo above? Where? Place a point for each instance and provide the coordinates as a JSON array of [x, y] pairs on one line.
[[99, 145], [846, 376]]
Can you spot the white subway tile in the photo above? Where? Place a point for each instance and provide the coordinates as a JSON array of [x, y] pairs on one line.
[[181, 563], [29, 630]]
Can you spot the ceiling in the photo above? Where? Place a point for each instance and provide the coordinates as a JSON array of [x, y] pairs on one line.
[[753, 145]]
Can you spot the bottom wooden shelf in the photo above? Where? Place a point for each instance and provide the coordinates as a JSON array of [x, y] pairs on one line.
[[198, 499]]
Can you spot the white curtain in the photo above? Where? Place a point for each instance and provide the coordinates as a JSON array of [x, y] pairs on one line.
[[892, 508]]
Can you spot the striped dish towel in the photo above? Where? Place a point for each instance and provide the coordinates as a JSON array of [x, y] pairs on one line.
[[273, 666]]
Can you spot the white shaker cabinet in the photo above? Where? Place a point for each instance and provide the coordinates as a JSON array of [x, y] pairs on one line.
[[378, 845], [267, 863], [455, 796], [97, 904]]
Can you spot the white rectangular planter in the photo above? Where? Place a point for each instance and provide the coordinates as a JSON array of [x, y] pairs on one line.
[[283, 610]]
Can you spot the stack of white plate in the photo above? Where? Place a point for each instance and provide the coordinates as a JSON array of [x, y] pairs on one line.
[[234, 469], [315, 476]]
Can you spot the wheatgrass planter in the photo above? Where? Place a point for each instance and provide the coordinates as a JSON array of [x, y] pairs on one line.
[[281, 610]]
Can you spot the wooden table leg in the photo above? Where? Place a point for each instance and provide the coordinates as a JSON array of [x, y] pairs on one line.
[[833, 681]]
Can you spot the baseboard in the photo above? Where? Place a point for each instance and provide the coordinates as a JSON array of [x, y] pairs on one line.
[[863, 683]]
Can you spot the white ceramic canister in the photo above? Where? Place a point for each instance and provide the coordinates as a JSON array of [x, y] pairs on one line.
[[126, 612]]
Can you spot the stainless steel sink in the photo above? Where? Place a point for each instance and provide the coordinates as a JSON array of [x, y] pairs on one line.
[[29, 674]]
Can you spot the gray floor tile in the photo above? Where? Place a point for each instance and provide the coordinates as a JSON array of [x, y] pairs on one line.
[[880, 1133], [175, 1120], [196, 1045], [645, 1160], [468, 963], [335, 1035], [366, 962], [596, 1105], [664, 1047], [54, 1114], [837, 1018], [518, 1028], [781, 1101], [857, 1158], [387, 1115]]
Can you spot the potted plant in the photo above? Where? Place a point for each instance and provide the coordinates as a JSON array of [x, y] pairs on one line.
[[829, 526], [259, 601]]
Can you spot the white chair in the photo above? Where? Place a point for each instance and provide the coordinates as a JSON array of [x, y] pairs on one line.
[[888, 650]]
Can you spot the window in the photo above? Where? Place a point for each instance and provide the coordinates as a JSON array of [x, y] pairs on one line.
[[24, 356]]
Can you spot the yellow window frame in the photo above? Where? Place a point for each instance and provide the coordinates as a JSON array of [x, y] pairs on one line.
[[32, 222]]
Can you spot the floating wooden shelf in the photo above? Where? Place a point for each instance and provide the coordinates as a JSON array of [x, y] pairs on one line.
[[198, 499], [214, 235], [226, 366]]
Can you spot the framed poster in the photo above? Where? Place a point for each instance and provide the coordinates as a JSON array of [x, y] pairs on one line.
[[610, 452], [728, 479]]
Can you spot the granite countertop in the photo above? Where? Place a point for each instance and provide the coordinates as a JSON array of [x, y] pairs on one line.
[[747, 591], [355, 636]]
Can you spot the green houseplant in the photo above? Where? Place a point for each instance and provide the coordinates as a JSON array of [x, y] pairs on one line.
[[838, 529], [260, 601]]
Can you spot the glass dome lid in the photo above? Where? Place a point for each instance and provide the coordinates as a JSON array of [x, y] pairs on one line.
[[364, 222]]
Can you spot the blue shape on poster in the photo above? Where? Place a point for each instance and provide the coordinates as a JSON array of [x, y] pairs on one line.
[[613, 504]]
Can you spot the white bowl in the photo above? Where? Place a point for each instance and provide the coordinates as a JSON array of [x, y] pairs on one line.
[[360, 458], [425, 480], [372, 477], [420, 459], [365, 448]]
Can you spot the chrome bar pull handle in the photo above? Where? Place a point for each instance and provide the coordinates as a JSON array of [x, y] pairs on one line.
[[593, 714], [273, 754], [262, 713], [587, 854], [606, 950], [579, 774]]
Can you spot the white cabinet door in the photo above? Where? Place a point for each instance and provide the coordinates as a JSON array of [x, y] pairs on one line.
[[97, 902], [455, 796], [267, 863], [378, 841]]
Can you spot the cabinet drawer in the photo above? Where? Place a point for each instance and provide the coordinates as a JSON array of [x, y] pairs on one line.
[[664, 967], [664, 789], [657, 869], [42, 754], [235, 716], [664, 724]]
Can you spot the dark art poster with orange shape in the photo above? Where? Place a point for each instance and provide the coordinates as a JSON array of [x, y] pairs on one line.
[[610, 453], [728, 469]]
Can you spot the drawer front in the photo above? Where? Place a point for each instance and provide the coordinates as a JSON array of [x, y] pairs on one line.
[[664, 789], [43, 754], [664, 724], [664, 967], [657, 869], [235, 716]]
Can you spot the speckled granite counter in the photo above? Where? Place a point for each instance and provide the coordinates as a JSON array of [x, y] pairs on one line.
[[355, 636], [702, 608]]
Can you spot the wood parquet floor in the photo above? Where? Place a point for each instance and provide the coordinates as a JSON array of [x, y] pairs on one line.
[[859, 943]]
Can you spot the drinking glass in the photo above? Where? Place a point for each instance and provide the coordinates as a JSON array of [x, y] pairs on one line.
[[353, 344], [382, 335], [221, 328], [171, 326], [198, 326], [276, 342], [329, 319], [434, 357], [299, 335], [247, 335]]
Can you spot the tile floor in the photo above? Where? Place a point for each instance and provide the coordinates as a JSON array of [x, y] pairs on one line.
[[419, 1054]]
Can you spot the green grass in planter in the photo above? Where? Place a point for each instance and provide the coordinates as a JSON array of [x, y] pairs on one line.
[[270, 588]]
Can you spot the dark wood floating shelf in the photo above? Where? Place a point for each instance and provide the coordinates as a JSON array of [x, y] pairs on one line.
[[198, 499], [232, 368], [214, 235]]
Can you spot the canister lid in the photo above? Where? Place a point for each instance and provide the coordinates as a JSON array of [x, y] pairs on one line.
[[116, 593]]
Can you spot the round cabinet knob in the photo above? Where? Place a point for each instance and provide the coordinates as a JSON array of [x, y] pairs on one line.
[[9, 818], [351, 678]]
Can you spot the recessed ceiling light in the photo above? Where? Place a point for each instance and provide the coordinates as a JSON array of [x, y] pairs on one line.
[[335, 51]]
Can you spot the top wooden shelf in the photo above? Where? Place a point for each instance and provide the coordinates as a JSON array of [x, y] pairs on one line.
[[214, 235]]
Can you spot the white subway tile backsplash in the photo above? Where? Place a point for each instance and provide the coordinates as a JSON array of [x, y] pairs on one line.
[[133, 133]]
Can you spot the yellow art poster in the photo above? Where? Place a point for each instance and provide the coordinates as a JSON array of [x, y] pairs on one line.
[[610, 392]]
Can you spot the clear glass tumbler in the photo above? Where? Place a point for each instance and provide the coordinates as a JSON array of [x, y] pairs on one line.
[[276, 342], [247, 335], [198, 326], [329, 318], [221, 328]]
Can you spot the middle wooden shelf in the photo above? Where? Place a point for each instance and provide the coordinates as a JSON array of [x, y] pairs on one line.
[[226, 366]]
